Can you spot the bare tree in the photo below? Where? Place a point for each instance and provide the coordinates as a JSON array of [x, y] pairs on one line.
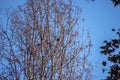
[[43, 40]]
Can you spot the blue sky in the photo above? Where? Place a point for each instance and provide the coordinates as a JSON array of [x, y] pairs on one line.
[[100, 17]]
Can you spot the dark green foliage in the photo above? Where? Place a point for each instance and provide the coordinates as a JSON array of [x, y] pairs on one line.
[[116, 2], [112, 50]]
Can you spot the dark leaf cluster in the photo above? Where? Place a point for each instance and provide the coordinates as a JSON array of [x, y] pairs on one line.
[[115, 58], [116, 2], [110, 46], [114, 72], [112, 50]]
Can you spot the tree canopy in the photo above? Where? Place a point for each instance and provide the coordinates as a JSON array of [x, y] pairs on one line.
[[43, 40], [112, 50]]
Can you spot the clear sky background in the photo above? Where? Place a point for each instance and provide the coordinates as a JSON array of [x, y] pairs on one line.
[[100, 17]]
